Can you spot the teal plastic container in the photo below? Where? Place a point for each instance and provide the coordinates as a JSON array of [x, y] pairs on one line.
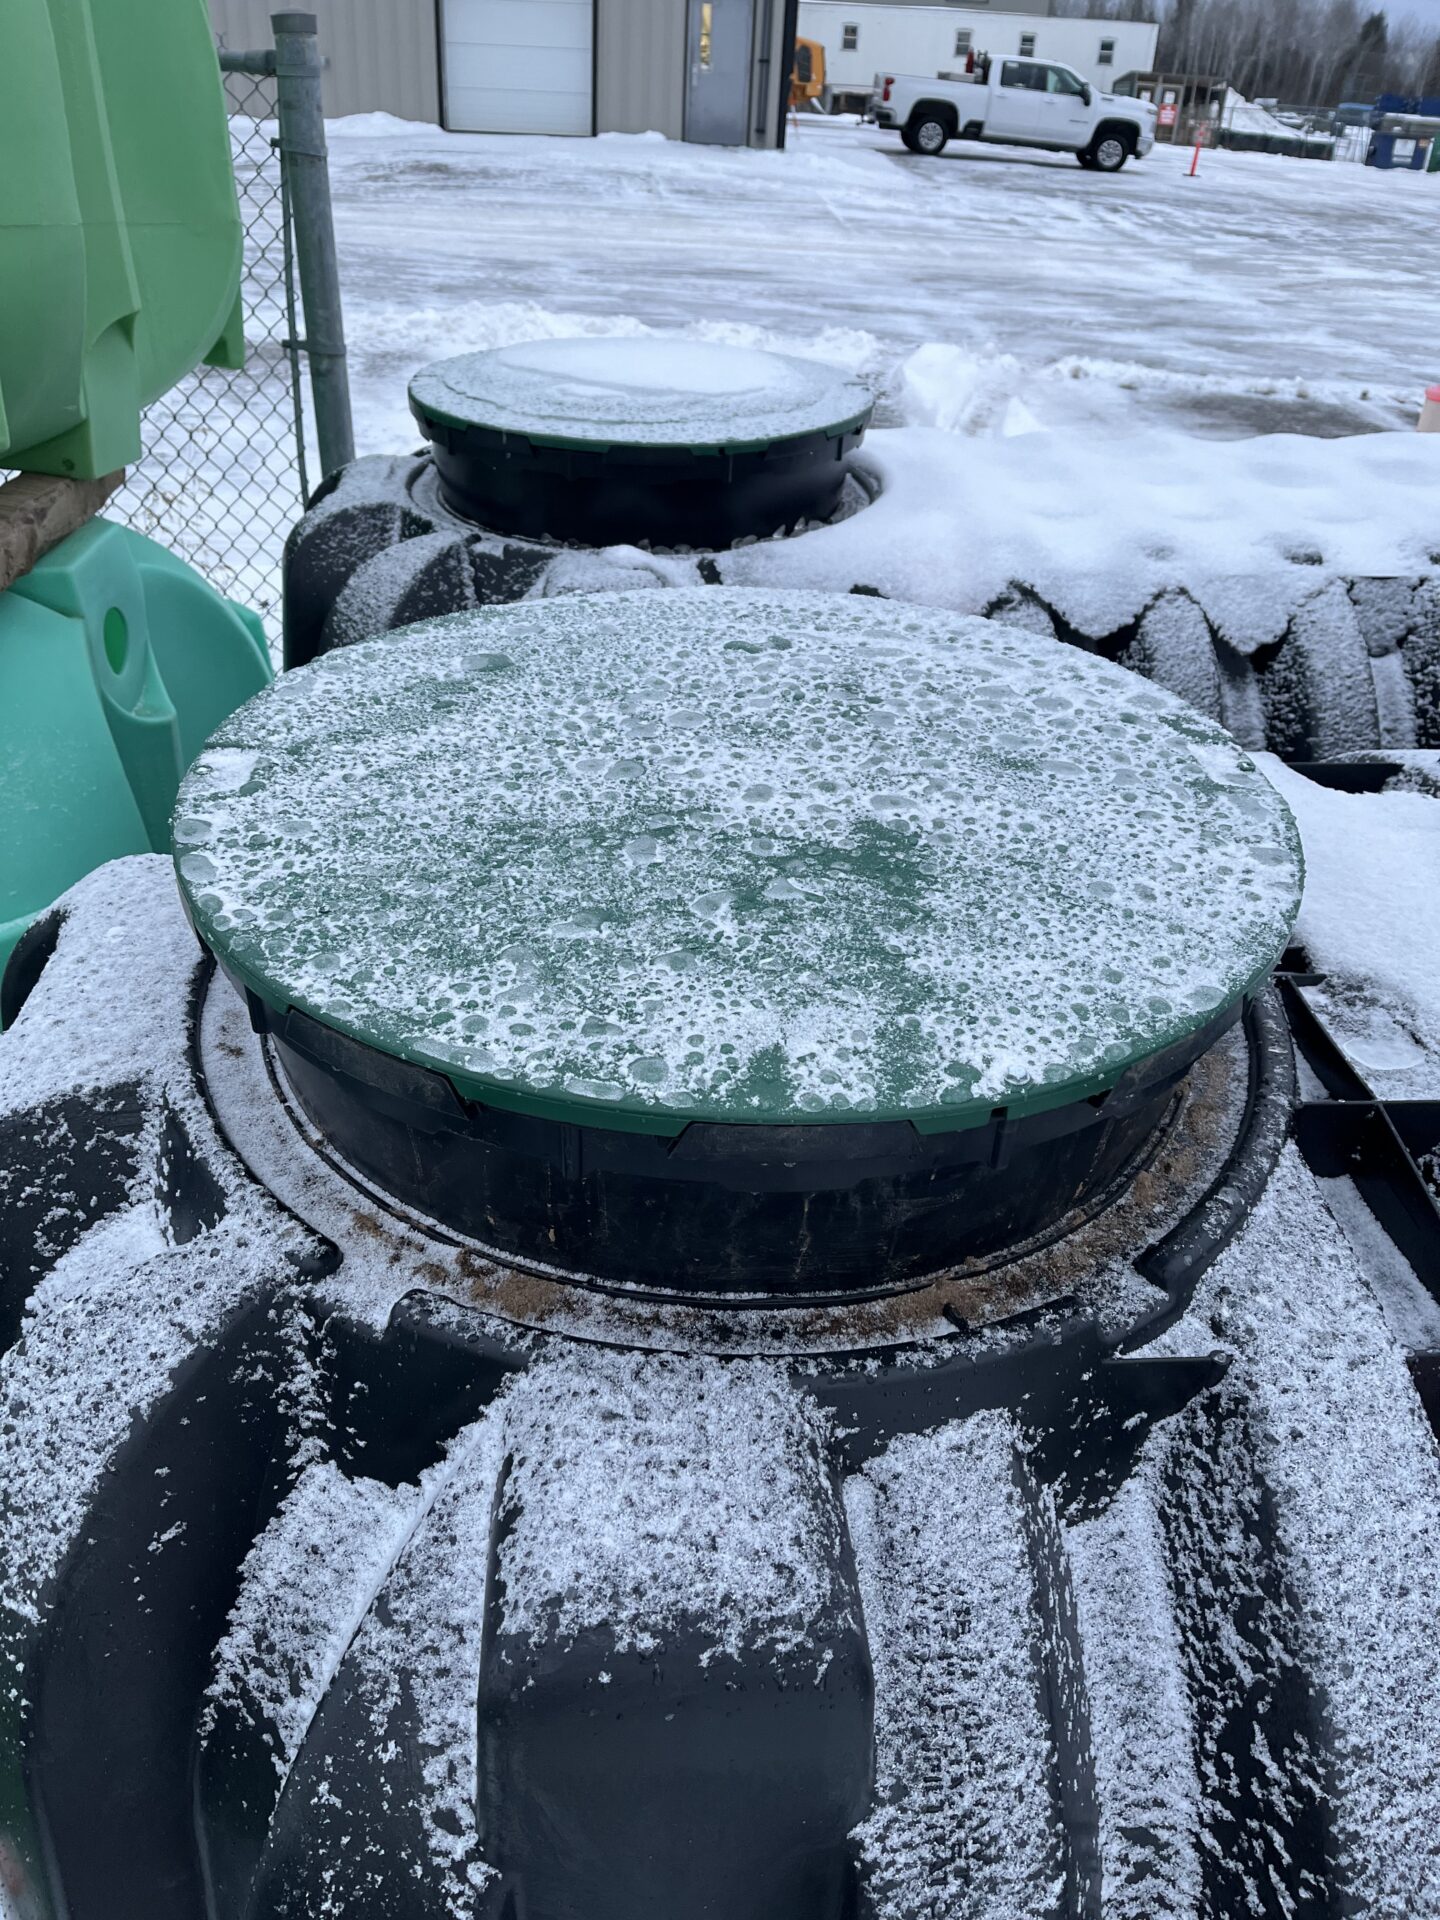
[[120, 238], [116, 662]]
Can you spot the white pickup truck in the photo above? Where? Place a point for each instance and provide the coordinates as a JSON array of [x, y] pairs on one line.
[[1017, 103]]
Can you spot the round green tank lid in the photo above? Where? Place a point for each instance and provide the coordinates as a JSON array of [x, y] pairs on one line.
[[635, 860], [649, 392]]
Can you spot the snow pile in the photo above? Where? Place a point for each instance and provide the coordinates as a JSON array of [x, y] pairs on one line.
[[376, 126], [1251, 528], [630, 233], [652, 392], [775, 856], [1370, 917], [960, 391], [982, 391], [1239, 115], [452, 243], [1246, 117], [651, 1492]]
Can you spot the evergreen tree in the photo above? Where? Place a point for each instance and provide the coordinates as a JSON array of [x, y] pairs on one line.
[[1371, 61]]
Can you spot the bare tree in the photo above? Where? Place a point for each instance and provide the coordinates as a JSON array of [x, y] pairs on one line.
[[1315, 52]]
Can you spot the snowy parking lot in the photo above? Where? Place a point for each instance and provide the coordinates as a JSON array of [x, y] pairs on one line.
[[1267, 295]]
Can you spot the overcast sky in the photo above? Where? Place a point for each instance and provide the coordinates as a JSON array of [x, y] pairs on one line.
[[1426, 10]]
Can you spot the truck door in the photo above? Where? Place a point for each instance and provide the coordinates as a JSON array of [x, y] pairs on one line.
[[1017, 102], [1065, 118]]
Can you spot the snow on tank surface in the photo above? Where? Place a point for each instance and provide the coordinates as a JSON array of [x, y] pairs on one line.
[[641, 859], [645, 1490], [651, 392]]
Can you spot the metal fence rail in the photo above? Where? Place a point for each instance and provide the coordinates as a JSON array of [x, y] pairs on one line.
[[229, 455]]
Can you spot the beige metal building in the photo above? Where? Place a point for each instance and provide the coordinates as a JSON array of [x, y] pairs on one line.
[[714, 71]]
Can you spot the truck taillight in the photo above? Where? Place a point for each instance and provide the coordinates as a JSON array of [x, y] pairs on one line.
[[889, 83]]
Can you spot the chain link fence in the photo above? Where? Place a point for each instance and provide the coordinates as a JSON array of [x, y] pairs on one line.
[[224, 471]]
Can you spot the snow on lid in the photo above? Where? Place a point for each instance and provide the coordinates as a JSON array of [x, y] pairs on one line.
[[741, 857], [650, 1491], [649, 392]]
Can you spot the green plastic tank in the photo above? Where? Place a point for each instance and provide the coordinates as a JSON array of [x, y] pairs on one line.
[[120, 239], [120, 258], [116, 662]]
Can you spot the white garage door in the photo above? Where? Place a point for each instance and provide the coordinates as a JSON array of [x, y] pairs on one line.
[[519, 66]]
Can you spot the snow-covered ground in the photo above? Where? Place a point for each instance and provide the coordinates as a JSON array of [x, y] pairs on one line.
[[1266, 295], [989, 293]]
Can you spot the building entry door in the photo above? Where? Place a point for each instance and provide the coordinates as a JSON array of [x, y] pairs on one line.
[[717, 92]]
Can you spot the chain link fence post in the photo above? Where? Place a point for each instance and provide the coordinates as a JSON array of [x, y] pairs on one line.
[[222, 478], [305, 169]]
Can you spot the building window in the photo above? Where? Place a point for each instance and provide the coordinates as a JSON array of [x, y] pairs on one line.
[[963, 40], [1027, 46], [1107, 53], [849, 39]]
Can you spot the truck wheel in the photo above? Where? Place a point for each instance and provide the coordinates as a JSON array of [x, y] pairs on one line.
[[1109, 152], [1087, 160], [927, 133]]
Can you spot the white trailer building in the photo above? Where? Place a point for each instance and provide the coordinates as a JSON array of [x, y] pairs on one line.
[[874, 36]]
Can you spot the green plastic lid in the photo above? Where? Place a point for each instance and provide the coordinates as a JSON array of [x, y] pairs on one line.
[[640, 859], [649, 392]]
